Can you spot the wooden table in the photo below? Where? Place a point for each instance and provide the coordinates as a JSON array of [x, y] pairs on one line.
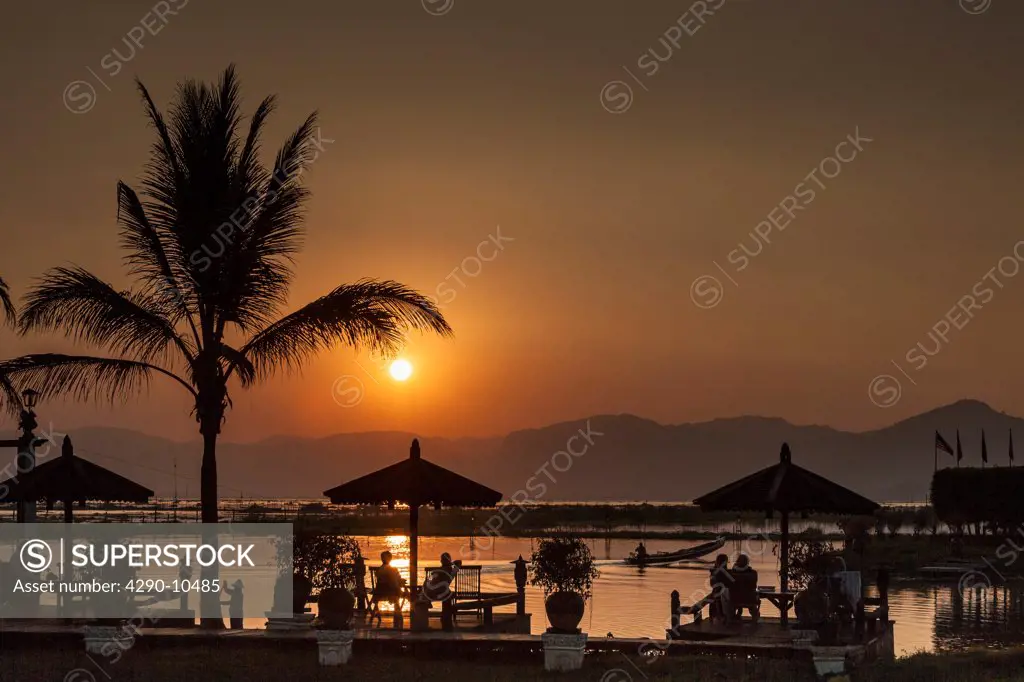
[[783, 601]]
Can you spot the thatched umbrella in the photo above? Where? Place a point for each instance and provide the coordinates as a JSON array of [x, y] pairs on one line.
[[68, 479], [415, 482], [786, 488]]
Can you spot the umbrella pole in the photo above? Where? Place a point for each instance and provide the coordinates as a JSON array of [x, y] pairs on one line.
[[414, 547], [784, 559], [68, 511]]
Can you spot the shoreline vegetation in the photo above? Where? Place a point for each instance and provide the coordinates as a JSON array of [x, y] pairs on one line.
[[903, 538]]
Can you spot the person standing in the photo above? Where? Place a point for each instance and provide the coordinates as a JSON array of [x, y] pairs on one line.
[[234, 604]]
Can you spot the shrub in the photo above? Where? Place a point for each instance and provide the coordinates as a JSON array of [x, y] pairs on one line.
[[563, 564], [970, 495], [324, 560], [810, 560]]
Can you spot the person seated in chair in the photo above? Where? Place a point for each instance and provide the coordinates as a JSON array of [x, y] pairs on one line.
[[743, 591], [389, 586], [439, 587], [720, 580]]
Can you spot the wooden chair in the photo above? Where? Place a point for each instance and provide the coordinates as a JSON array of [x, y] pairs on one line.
[[397, 600], [877, 618], [743, 593], [356, 584], [466, 585]]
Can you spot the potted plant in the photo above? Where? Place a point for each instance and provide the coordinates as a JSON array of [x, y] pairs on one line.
[[302, 588], [334, 632], [336, 606], [308, 563], [105, 629], [814, 565], [563, 567], [318, 561]]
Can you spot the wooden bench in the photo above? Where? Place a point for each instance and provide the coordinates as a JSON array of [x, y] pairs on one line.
[[696, 610], [486, 603]]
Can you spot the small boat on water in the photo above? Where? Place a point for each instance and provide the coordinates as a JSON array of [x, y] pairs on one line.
[[687, 554], [955, 570]]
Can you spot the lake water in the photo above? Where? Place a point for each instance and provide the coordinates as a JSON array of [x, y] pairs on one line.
[[633, 602]]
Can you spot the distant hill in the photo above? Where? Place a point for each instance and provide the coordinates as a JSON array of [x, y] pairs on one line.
[[631, 459]]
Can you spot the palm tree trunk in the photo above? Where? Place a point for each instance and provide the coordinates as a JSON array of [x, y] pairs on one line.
[[208, 475], [209, 602]]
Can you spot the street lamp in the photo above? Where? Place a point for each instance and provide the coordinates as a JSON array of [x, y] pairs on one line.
[[26, 457], [28, 421], [29, 398]]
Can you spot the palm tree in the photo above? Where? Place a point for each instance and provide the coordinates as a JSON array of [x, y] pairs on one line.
[[5, 302], [9, 399], [209, 285]]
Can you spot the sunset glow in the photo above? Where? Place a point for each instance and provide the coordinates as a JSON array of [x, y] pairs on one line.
[[400, 370]]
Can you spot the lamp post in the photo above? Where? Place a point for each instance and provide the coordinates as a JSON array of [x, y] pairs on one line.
[[26, 458], [520, 574]]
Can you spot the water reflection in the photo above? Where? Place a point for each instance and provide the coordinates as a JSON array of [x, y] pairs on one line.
[[632, 602], [992, 617]]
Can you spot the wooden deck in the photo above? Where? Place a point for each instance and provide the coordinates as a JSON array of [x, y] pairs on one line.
[[766, 640], [767, 631], [464, 622]]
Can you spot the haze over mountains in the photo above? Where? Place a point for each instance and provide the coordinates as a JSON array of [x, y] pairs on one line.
[[630, 458]]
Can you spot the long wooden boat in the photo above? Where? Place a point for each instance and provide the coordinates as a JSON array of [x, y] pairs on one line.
[[686, 554]]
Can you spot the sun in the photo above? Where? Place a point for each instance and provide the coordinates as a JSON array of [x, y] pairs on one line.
[[400, 370]]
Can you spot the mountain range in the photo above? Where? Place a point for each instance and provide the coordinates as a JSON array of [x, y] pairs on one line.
[[622, 457]]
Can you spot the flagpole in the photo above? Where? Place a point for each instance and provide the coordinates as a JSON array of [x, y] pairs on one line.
[[935, 456]]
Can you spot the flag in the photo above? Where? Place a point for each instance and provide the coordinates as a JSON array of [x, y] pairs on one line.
[[984, 450], [959, 450], [941, 444], [1011, 447]]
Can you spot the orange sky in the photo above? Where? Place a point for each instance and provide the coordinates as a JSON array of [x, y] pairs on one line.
[[446, 127]]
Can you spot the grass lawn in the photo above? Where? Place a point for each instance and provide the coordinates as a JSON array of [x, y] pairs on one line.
[[197, 664]]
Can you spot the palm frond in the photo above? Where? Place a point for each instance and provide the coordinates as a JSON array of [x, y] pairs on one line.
[[236, 361], [164, 175], [6, 303], [258, 264], [86, 308], [10, 400], [148, 257], [201, 124], [367, 314], [250, 172], [82, 377]]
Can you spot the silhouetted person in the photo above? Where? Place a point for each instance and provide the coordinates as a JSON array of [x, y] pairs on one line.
[[184, 574], [883, 584], [743, 591], [360, 571], [439, 588], [720, 580], [234, 604], [388, 587], [641, 553]]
